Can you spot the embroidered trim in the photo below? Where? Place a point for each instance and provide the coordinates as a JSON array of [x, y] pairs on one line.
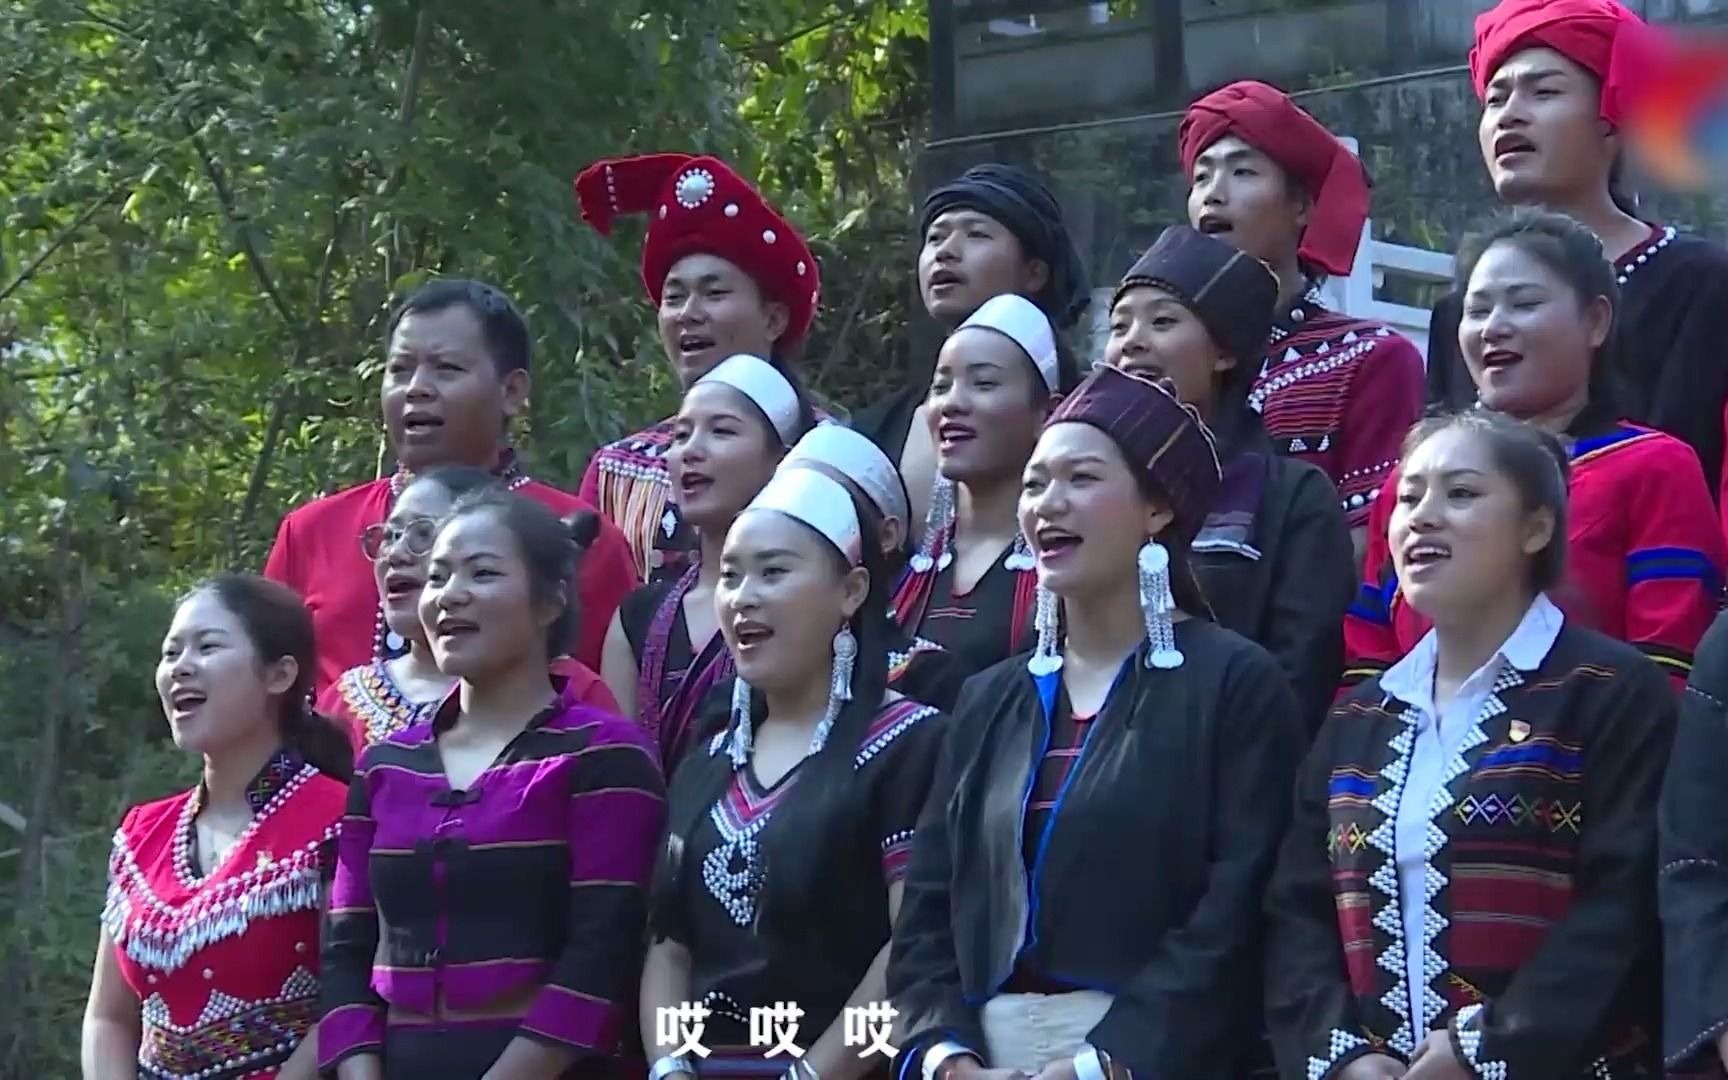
[[1663, 240], [1318, 362], [1389, 920], [382, 707], [892, 728], [1401, 997], [231, 1037], [1340, 1044], [1704, 1038], [164, 936], [896, 854], [1470, 1043], [1433, 964], [899, 661]]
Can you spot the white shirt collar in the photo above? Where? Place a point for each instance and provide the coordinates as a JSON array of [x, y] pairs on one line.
[[1412, 678]]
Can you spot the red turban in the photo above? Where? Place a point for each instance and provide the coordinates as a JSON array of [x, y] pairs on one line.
[[699, 205], [1265, 118], [1600, 36]]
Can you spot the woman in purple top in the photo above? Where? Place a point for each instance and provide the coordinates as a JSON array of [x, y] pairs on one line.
[[487, 916]]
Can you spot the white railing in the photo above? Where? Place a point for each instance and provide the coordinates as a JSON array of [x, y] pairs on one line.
[[1354, 295]]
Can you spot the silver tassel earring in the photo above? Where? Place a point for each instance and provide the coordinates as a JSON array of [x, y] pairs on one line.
[[743, 738], [936, 522], [839, 689], [1157, 605], [1046, 619]]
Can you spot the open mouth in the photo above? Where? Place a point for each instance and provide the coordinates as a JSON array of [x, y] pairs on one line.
[[420, 425], [399, 585], [751, 634], [1426, 553], [1212, 225], [691, 344], [942, 278], [1053, 543], [1500, 358], [1509, 144], [455, 628], [186, 699], [691, 484], [949, 433]]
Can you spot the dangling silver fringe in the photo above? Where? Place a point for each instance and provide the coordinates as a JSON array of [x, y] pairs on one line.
[[839, 689], [1047, 657], [1020, 558], [936, 522], [1157, 606], [742, 739], [165, 939]]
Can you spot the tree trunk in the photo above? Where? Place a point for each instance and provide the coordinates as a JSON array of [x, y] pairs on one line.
[[15, 961]]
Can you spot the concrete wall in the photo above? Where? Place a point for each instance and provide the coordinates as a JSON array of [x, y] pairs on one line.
[[1115, 167]]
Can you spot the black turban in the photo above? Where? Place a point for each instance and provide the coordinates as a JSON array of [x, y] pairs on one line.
[[1022, 203]]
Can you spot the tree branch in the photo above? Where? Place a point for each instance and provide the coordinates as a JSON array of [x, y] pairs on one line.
[[14, 970], [64, 235], [862, 7], [283, 402], [405, 113], [231, 212]]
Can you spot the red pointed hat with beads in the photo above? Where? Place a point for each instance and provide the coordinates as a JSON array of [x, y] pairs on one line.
[[699, 205]]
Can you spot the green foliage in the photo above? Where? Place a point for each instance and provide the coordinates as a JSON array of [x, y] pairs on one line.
[[204, 212]]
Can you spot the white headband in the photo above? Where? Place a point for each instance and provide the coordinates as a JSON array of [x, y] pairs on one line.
[[859, 460], [763, 384], [819, 501], [1021, 321]]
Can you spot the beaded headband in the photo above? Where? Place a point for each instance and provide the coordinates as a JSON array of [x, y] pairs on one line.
[[859, 460], [765, 386], [1021, 321], [819, 501]]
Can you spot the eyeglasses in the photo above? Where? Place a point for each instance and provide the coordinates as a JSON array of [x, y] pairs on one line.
[[417, 534]]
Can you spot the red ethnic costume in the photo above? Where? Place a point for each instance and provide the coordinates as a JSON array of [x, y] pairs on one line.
[[317, 554], [225, 964], [1672, 317], [1335, 391], [696, 205], [1644, 555]]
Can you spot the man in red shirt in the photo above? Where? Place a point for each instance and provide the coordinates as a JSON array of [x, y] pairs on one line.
[[456, 373]]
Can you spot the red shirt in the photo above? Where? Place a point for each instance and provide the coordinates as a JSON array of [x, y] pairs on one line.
[[317, 553], [1340, 393], [1644, 557], [225, 966]]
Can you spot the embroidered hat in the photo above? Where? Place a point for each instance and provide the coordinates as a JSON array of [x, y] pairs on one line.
[[819, 501], [765, 386], [1163, 440], [1024, 323], [859, 460], [1600, 36], [1265, 118], [1230, 291], [698, 204]]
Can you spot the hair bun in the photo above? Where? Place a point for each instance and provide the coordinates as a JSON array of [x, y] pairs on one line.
[[584, 526]]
